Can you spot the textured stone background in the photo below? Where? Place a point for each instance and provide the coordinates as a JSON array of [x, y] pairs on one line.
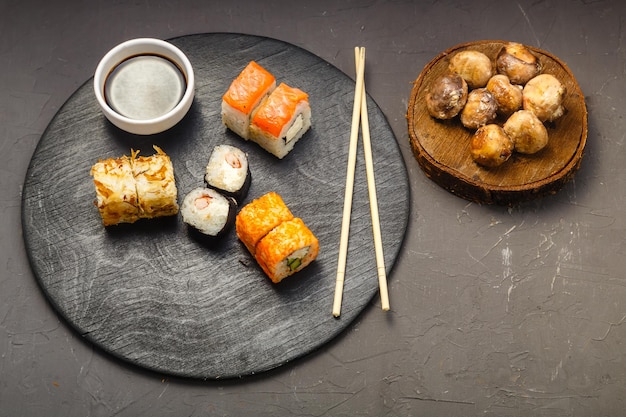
[[495, 311]]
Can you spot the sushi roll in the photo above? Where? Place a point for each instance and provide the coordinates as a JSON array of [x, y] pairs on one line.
[[155, 183], [228, 172], [244, 94], [116, 194], [280, 243], [130, 188], [259, 217], [281, 120], [208, 213], [286, 249]]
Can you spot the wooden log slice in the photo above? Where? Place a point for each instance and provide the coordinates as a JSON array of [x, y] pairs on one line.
[[442, 148]]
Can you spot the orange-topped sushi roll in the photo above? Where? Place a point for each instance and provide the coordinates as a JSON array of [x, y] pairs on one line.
[[245, 93], [281, 119], [287, 249], [259, 217], [281, 243]]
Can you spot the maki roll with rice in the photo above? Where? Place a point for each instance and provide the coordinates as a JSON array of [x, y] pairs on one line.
[[156, 185], [287, 249], [244, 94], [228, 172], [116, 191], [280, 243], [281, 120], [130, 188], [208, 213], [275, 117], [259, 217]]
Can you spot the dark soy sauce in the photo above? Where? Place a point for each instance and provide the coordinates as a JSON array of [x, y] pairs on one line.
[[144, 87]]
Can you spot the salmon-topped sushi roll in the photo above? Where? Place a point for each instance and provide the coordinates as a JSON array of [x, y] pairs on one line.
[[281, 119], [243, 96]]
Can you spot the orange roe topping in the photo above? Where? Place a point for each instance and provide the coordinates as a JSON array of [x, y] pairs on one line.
[[246, 90], [260, 216], [278, 109]]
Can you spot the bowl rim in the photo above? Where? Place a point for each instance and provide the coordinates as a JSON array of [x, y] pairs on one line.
[[135, 47]]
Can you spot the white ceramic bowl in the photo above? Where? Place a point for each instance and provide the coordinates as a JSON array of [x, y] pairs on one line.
[[144, 47]]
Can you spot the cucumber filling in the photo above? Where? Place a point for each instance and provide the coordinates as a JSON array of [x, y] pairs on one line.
[[295, 259], [294, 129], [294, 263]]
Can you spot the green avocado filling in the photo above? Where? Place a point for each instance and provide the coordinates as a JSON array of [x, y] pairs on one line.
[[294, 260], [294, 263]]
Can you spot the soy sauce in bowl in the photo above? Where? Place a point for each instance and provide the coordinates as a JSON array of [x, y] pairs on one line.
[[144, 87]]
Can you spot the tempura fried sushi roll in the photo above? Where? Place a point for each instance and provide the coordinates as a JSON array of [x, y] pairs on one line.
[[155, 183], [228, 172], [281, 119], [208, 213], [130, 188], [116, 194], [244, 94], [287, 249], [259, 217]]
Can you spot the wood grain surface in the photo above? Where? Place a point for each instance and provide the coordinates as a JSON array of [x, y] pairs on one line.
[[150, 294], [442, 147]]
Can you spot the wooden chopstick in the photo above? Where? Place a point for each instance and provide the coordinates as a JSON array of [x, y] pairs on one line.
[[359, 113], [371, 186], [347, 203]]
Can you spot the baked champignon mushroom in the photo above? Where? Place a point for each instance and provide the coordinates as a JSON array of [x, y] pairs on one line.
[[508, 96], [518, 63], [491, 146], [543, 95], [528, 133], [446, 96], [475, 67], [480, 109]]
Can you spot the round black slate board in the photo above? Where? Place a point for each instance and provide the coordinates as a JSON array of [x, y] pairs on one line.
[[148, 292]]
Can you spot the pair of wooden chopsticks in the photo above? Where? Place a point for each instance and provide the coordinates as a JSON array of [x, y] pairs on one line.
[[359, 114]]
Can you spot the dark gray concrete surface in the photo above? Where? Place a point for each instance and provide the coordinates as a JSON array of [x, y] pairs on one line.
[[495, 311]]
